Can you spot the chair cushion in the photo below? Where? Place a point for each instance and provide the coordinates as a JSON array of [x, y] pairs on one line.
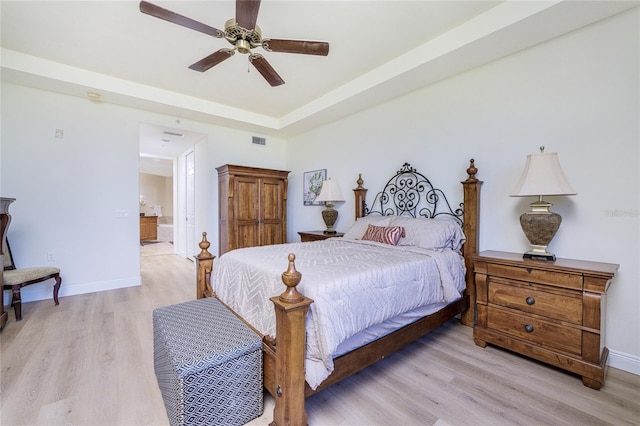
[[18, 276]]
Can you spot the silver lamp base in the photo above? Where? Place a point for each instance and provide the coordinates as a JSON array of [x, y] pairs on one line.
[[539, 254], [329, 215], [540, 226]]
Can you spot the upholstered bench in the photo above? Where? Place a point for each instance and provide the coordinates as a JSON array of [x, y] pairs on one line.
[[208, 364]]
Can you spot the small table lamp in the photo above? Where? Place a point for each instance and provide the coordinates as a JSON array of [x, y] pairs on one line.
[[542, 175], [330, 193]]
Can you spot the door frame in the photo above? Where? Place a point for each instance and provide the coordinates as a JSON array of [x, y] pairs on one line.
[[183, 202]]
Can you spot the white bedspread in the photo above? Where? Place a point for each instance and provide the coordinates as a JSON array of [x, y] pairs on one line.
[[354, 284]]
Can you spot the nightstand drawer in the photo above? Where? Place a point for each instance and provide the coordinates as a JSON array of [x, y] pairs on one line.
[[545, 333], [537, 300], [556, 279]]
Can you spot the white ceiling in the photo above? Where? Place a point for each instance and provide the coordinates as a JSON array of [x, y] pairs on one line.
[[378, 50]]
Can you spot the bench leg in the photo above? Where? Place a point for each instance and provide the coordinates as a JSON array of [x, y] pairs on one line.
[[16, 302], [56, 288]]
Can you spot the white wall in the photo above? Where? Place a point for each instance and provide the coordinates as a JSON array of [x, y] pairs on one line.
[[156, 190], [577, 95], [69, 191]]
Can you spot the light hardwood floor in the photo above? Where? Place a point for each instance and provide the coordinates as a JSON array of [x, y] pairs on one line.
[[89, 361]]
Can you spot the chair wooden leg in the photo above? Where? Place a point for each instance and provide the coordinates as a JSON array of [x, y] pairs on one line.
[[56, 288], [16, 302]]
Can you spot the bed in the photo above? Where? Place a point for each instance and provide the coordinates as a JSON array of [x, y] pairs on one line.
[[401, 270]]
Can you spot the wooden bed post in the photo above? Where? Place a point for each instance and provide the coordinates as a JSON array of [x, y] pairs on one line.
[[291, 313], [360, 194], [471, 231], [204, 265]]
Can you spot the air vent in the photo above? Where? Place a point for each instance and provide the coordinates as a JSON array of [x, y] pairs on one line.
[[173, 134], [259, 141]]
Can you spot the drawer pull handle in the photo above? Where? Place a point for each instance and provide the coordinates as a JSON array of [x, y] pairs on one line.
[[528, 328], [530, 300]]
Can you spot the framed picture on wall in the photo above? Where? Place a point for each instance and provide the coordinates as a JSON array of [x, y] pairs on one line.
[[311, 188]]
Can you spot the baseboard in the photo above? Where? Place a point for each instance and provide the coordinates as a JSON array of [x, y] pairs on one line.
[[44, 291], [625, 362]]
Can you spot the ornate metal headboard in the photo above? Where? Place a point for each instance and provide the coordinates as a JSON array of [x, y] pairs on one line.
[[410, 193]]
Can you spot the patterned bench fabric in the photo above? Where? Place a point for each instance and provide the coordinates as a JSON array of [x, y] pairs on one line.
[[208, 364]]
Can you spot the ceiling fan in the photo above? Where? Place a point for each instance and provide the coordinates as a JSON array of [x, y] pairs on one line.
[[244, 35]]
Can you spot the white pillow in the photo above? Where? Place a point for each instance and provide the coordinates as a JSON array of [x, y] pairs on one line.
[[435, 234], [359, 227]]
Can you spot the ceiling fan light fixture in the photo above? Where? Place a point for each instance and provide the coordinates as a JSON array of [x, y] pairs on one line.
[[234, 33], [243, 46]]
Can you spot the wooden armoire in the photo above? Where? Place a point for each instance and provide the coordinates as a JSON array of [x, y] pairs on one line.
[[252, 207]]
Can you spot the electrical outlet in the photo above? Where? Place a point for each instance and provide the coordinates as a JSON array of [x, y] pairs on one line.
[[51, 256]]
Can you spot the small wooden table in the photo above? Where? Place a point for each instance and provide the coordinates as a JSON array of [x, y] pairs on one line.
[[306, 236], [550, 311]]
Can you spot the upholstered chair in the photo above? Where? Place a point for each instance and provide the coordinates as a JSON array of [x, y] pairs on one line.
[[14, 279]]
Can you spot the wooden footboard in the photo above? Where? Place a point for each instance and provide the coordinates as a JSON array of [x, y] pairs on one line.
[[284, 375], [204, 264], [289, 376]]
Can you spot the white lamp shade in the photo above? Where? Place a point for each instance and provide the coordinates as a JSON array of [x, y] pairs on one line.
[[330, 192], [542, 175]]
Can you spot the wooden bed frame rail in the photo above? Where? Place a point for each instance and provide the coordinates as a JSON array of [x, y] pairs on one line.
[[284, 375]]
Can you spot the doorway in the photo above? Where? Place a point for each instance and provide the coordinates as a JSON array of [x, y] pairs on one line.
[[166, 190]]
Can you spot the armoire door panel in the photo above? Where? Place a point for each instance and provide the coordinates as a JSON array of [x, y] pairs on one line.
[[247, 236], [252, 206], [271, 200], [246, 194], [271, 234]]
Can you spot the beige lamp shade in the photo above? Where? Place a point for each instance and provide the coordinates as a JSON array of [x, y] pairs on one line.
[[542, 175], [330, 192]]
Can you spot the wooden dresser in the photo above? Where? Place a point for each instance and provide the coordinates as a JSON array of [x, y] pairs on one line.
[[252, 207], [306, 236], [148, 228], [551, 311]]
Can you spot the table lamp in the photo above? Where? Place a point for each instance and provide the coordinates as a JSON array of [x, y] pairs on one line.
[[542, 176], [330, 193]]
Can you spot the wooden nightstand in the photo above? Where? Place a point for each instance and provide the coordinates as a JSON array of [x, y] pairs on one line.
[[550, 311], [306, 236]]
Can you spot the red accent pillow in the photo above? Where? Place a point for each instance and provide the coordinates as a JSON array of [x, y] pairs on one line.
[[384, 234]]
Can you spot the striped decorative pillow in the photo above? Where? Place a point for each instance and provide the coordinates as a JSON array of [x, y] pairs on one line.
[[384, 234]]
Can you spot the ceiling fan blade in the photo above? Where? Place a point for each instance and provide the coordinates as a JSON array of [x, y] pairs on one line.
[[296, 46], [247, 13], [212, 60], [266, 70], [167, 15]]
